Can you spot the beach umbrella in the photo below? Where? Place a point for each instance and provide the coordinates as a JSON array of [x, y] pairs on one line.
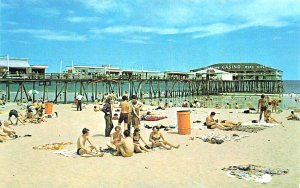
[[33, 92]]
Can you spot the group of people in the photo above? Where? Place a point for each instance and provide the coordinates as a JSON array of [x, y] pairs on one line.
[[263, 109], [129, 113], [124, 144]]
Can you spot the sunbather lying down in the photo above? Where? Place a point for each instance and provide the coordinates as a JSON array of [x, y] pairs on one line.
[[223, 124]]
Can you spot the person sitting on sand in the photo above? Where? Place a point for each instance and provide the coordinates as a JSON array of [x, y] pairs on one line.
[[116, 137], [269, 118], [39, 115], [138, 148], [210, 123], [15, 113], [125, 147], [292, 116], [82, 149], [29, 114], [157, 139], [6, 128], [3, 136]]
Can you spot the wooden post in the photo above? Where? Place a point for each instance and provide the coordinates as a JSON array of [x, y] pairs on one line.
[[65, 98], [44, 91], [7, 91], [55, 92], [158, 88], [93, 96], [33, 88], [96, 90]]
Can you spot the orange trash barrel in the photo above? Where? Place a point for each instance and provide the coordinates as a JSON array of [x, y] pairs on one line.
[[184, 122], [48, 107]]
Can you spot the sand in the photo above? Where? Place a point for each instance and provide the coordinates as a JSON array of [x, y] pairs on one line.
[[194, 164]]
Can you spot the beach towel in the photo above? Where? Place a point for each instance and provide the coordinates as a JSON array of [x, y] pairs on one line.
[[71, 153], [261, 123], [154, 118], [53, 146]]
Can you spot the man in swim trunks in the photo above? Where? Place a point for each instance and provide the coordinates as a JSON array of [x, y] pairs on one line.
[[124, 115], [262, 106], [16, 114], [82, 149], [125, 147], [211, 123]]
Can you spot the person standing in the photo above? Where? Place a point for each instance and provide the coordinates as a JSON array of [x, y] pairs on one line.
[[79, 102], [107, 116], [262, 106], [124, 115]]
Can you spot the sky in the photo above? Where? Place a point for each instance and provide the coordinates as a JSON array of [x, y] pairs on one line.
[[162, 35]]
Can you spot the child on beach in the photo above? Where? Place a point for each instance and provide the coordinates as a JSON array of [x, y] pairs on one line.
[[82, 149], [125, 147], [157, 139], [138, 148]]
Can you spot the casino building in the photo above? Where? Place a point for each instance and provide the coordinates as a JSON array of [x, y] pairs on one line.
[[242, 71]]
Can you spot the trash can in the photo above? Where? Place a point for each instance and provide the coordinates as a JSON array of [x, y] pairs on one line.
[[184, 122], [48, 107]]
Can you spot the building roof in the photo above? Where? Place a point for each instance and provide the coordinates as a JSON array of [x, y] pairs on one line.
[[14, 62], [141, 71], [237, 67], [39, 66], [85, 66], [176, 72]]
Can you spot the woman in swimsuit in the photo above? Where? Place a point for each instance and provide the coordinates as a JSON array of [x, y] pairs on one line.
[[270, 119], [116, 137], [138, 148], [158, 140]]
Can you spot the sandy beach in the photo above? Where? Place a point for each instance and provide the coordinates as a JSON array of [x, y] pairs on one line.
[[194, 164]]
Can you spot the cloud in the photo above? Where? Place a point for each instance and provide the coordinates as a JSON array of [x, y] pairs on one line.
[[99, 5], [199, 18], [78, 19], [137, 40], [51, 35]]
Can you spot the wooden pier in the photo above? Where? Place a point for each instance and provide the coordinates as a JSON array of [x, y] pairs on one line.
[[152, 87]]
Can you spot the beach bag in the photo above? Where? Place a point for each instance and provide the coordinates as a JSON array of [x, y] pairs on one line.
[[246, 111]]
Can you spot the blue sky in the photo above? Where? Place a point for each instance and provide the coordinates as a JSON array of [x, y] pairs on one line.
[[153, 34]]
